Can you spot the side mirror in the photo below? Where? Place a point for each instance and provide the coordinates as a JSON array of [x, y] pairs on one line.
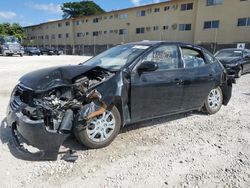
[[148, 66]]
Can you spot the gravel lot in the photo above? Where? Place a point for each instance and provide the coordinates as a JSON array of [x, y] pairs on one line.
[[187, 150]]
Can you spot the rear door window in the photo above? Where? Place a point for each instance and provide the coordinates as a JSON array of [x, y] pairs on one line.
[[192, 58]]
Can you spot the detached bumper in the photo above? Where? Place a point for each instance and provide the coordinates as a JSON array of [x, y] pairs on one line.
[[34, 133]]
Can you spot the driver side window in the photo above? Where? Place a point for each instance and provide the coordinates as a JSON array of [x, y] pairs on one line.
[[165, 56]]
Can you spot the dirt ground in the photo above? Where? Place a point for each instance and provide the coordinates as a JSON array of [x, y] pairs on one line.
[[186, 150]]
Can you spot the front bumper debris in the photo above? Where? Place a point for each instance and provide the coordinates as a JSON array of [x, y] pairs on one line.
[[34, 133]]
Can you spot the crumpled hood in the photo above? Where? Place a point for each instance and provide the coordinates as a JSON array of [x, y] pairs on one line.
[[228, 60], [47, 78]]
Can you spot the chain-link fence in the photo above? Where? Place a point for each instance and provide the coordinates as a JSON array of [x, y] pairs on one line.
[[92, 50]]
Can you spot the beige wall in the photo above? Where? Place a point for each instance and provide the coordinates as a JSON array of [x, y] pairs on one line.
[[228, 14], [228, 32]]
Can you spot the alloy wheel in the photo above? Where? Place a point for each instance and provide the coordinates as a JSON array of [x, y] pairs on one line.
[[214, 99], [101, 127]]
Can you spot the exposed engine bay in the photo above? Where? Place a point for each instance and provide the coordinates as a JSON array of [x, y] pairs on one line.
[[60, 103]]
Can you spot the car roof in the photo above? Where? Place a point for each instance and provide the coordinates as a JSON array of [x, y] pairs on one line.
[[152, 43]]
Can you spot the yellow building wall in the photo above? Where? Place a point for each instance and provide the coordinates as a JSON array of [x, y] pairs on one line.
[[228, 32]]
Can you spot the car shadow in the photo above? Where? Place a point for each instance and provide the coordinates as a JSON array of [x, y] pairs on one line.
[[71, 144], [5, 132], [248, 94]]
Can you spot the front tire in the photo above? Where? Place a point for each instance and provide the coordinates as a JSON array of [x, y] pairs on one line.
[[100, 131], [239, 74], [213, 101]]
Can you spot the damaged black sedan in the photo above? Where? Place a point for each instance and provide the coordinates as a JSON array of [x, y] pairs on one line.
[[126, 84]]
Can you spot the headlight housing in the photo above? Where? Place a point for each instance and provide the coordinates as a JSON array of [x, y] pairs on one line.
[[5, 47]]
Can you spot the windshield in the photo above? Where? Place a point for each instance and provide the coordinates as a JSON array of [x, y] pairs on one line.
[[229, 53], [116, 58], [10, 39]]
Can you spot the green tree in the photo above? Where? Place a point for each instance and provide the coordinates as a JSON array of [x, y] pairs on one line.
[[12, 29], [82, 8]]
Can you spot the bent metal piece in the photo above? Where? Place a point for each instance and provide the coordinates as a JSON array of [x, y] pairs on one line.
[[95, 95], [101, 110]]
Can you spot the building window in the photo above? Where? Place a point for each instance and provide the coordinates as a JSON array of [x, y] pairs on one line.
[[95, 20], [188, 6], [184, 27], [214, 2], [47, 37], [156, 28], [104, 32], [111, 17], [243, 22], [123, 16], [59, 24], [79, 35], [59, 36], [77, 22], [166, 8], [87, 33], [67, 35], [141, 13], [95, 33], [165, 27], [53, 36], [211, 24], [123, 32], [67, 23], [116, 16], [140, 30], [157, 9]]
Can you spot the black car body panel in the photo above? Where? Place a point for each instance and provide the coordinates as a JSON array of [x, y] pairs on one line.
[[48, 103], [234, 64], [32, 51], [50, 51]]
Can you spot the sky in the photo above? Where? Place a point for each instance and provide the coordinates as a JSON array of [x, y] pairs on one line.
[[31, 12]]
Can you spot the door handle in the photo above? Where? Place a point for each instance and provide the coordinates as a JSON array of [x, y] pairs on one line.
[[178, 81]]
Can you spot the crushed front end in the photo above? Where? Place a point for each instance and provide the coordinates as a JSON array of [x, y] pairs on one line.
[[44, 118]]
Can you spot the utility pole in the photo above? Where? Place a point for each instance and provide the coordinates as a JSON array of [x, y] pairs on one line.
[[215, 40]]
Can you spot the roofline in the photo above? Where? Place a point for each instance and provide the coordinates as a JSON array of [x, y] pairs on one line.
[[105, 13]]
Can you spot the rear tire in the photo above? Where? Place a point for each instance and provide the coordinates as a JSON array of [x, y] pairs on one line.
[[100, 131], [213, 101]]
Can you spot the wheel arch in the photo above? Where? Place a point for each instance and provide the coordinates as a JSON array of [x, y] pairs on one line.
[[226, 91], [123, 110]]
